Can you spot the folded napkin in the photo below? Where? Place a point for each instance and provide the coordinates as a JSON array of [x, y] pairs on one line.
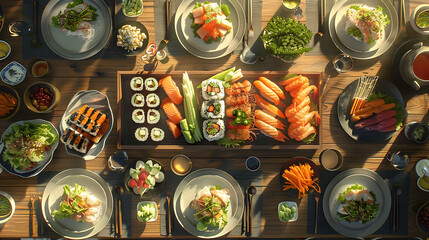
[[112, 179], [175, 48], [394, 177], [244, 178]]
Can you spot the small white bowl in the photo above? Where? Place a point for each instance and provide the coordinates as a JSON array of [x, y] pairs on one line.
[[10, 50], [12, 203], [290, 204], [127, 15], [10, 74], [416, 12], [147, 202]]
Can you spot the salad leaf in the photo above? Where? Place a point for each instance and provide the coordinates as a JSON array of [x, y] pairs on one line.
[[286, 38], [310, 138], [355, 32], [225, 10], [67, 208], [74, 3], [228, 143], [356, 186], [400, 112]]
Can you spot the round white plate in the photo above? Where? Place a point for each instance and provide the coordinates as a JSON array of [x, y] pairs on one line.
[[76, 47], [390, 38], [420, 165], [12, 204], [207, 177], [351, 42], [91, 187], [71, 176], [197, 46], [372, 182]]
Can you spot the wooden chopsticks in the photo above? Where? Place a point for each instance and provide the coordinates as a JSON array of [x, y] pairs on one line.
[[33, 230], [118, 212], [170, 227]]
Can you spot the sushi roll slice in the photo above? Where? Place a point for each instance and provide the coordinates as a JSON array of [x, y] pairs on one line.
[[153, 116], [136, 83], [213, 109], [157, 134], [151, 84], [75, 140], [213, 129], [141, 134], [89, 119], [213, 89], [152, 100], [138, 116], [137, 100]]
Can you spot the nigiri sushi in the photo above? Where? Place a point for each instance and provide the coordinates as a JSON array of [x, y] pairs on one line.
[[171, 90]]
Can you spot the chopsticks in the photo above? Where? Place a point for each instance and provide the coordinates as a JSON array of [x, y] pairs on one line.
[[42, 226], [118, 212], [33, 230], [167, 20], [322, 13], [170, 227], [364, 88]]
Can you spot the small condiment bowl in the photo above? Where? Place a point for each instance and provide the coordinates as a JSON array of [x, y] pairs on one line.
[[323, 155], [8, 52], [410, 128], [290, 204], [174, 168], [128, 15], [7, 89], [147, 202], [32, 87], [5, 218], [37, 63], [253, 163]]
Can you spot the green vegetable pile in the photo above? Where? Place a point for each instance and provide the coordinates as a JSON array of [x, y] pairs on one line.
[[132, 7], [5, 206], [286, 213], [27, 143], [70, 18], [400, 112], [73, 204], [146, 212], [286, 38], [363, 211], [191, 126]]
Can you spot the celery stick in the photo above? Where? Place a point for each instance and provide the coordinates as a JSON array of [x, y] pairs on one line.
[[220, 76]]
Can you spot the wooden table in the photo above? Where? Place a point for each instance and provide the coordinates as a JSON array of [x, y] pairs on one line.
[[100, 74]]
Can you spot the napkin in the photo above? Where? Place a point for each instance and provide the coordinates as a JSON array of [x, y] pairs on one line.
[[394, 177], [175, 48], [244, 178]]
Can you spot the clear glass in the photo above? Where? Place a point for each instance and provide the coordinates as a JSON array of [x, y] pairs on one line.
[[19, 28], [398, 160], [117, 161], [342, 63], [294, 5]]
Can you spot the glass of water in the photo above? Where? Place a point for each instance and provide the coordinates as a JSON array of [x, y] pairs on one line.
[[294, 5], [342, 63], [19, 28]]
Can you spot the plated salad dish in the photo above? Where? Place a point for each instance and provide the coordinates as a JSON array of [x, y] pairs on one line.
[[211, 208], [28, 144], [210, 21], [366, 23], [76, 19], [144, 177], [357, 204], [79, 205]]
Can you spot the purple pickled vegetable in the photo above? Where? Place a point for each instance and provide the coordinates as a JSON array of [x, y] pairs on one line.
[[386, 114], [375, 119], [388, 128], [380, 125]]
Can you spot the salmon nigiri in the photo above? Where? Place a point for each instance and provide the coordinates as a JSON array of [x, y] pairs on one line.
[[266, 91], [270, 131], [171, 89], [171, 111], [270, 84], [268, 107], [270, 120]]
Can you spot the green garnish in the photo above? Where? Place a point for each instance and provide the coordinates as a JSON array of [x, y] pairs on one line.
[[5, 206], [363, 211], [422, 20], [286, 38], [310, 139], [228, 143], [146, 212], [341, 197], [70, 19], [355, 32], [225, 10], [132, 7], [72, 204]]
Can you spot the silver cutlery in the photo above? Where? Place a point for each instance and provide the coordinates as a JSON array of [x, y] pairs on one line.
[[316, 198], [247, 56], [251, 190], [170, 227], [397, 190]]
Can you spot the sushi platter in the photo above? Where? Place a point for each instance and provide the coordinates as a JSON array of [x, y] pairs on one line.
[[164, 133]]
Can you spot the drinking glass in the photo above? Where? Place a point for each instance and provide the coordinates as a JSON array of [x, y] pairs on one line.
[[117, 161], [19, 28], [342, 63], [294, 5], [398, 160]]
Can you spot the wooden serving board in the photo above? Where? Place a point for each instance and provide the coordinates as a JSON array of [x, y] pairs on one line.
[[126, 127]]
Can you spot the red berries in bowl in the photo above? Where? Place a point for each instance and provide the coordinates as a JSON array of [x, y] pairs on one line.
[[41, 98]]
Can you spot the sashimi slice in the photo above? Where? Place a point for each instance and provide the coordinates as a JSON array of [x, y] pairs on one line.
[[197, 12], [270, 94], [171, 111], [270, 131], [199, 20], [272, 86], [171, 89], [174, 129], [267, 118], [202, 33], [225, 24], [289, 80], [268, 107]]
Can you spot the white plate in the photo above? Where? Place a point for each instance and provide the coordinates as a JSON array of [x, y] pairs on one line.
[[207, 176], [47, 155], [394, 23], [422, 163], [197, 46], [351, 42], [372, 182], [98, 101], [194, 186], [78, 175], [91, 187], [199, 43], [76, 47]]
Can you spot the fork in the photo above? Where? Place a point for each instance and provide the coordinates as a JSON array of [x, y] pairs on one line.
[[33, 229]]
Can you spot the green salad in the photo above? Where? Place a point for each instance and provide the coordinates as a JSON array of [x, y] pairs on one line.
[[357, 204], [75, 13], [26, 144], [73, 203]]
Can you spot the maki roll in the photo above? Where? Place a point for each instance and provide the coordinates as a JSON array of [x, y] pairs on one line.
[[137, 100], [213, 129], [75, 140], [89, 119], [213, 109], [157, 134], [136, 83], [152, 100], [138, 116], [153, 116], [213, 89], [151, 84], [141, 134]]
